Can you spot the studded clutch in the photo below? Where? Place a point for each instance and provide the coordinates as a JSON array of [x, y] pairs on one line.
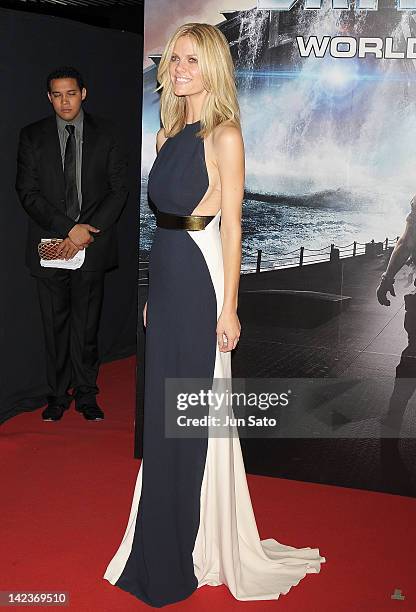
[[49, 258], [47, 248]]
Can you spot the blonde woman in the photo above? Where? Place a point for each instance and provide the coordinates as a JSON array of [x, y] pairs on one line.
[[191, 521]]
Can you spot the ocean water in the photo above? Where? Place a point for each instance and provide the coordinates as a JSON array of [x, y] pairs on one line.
[[313, 221]]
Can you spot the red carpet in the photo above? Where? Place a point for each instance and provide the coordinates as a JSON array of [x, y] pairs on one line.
[[67, 490]]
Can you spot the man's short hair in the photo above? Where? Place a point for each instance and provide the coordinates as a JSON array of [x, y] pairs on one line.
[[65, 72]]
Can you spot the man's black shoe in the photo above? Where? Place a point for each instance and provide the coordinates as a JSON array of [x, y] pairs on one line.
[[53, 413], [91, 413]]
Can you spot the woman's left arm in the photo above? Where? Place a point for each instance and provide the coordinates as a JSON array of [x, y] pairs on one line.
[[229, 151]]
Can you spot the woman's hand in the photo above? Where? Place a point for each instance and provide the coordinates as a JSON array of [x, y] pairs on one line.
[[228, 331], [144, 314]]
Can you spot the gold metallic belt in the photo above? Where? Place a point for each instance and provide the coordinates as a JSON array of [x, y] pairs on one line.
[[184, 222]]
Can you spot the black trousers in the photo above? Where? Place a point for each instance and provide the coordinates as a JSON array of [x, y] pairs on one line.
[[71, 304]]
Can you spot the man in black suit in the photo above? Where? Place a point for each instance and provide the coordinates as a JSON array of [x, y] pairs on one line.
[[72, 182]]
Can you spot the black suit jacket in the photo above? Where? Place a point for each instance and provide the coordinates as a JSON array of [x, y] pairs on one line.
[[41, 189]]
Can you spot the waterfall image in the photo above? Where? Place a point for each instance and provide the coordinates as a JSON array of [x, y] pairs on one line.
[[329, 140]]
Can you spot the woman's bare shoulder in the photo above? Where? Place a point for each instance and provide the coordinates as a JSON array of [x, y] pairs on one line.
[[226, 127], [227, 137]]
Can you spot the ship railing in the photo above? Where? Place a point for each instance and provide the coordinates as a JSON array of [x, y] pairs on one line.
[[263, 261], [302, 256], [143, 279]]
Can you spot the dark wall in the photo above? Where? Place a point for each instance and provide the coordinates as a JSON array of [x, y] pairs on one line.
[[111, 62]]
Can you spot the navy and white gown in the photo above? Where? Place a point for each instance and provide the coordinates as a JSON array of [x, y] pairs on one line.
[[191, 521]]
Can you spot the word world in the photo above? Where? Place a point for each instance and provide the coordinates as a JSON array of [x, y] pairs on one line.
[[348, 46]]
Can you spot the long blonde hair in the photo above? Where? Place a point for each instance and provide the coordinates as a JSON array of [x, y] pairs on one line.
[[217, 72]]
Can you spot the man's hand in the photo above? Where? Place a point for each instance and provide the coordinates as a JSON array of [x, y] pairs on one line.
[[80, 234], [386, 286], [67, 249]]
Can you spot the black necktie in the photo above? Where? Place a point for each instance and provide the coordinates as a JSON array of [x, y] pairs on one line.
[[70, 173]]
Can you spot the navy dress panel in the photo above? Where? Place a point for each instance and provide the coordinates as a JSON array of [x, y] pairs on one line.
[[180, 342], [178, 178]]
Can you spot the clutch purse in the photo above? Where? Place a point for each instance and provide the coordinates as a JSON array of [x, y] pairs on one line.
[[47, 249]]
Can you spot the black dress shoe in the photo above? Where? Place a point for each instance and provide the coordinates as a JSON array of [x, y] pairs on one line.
[[91, 413], [53, 413]]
